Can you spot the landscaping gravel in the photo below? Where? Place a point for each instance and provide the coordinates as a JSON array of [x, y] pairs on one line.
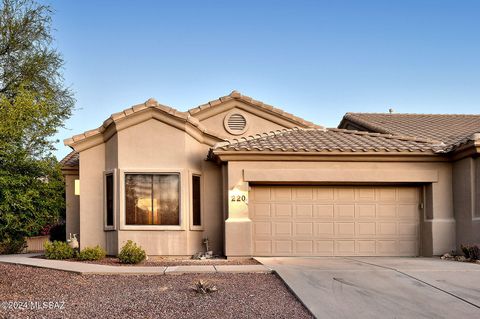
[[143, 296]]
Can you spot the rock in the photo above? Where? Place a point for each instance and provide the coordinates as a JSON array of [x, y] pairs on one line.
[[446, 256]]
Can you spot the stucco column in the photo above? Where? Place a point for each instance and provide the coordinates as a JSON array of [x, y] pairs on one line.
[[439, 220], [238, 226]]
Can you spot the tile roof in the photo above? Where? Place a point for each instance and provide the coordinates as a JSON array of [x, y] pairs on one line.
[[452, 129], [72, 159], [149, 104], [321, 140], [235, 95]]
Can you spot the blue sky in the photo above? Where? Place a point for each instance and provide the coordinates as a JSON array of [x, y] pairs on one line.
[[316, 59]]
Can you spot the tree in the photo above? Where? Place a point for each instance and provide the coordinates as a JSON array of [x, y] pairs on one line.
[[34, 103]]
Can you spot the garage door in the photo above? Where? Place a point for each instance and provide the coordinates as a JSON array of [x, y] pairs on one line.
[[335, 221]]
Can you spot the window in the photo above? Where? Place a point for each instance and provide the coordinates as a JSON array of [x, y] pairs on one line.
[[109, 199], [152, 199], [196, 201]]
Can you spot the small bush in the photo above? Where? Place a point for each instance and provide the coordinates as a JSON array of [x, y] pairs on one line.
[[471, 251], [58, 250], [92, 253], [204, 287], [12, 245], [131, 253]]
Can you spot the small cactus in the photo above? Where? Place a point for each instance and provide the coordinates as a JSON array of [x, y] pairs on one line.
[[204, 287]]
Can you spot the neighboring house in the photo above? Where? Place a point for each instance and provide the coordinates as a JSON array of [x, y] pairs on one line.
[[257, 181]]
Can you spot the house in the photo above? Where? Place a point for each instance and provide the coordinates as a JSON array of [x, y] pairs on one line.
[[257, 181]]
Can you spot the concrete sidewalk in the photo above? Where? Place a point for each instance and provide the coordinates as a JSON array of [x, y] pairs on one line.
[[85, 268]]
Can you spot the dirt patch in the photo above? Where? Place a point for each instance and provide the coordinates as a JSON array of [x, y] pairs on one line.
[[147, 296]]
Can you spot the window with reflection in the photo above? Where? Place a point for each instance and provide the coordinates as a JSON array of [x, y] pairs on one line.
[[152, 199]]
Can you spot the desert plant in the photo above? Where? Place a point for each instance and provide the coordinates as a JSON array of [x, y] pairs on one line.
[[131, 253], [92, 253], [204, 287], [58, 250], [12, 245], [471, 252]]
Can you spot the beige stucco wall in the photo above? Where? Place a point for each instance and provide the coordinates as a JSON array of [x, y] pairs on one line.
[[256, 124], [72, 208], [466, 191], [151, 146], [437, 222], [92, 166]]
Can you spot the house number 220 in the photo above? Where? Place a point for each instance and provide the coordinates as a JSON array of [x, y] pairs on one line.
[[239, 198]]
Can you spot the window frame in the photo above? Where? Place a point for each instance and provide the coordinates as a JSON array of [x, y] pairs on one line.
[[192, 226], [115, 189], [181, 174]]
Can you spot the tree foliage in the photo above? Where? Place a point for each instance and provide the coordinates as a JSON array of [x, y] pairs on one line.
[[34, 103]]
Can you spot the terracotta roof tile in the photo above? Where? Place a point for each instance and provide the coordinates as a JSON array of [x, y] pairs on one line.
[[320, 140], [451, 129], [149, 104], [72, 159]]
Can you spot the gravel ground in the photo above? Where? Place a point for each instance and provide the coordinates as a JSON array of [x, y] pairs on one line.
[[154, 296], [172, 261]]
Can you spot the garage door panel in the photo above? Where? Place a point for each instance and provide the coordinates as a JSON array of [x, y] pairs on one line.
[[304, 247], [282, 210], [325, 193], [365, 229], [282, 193], [282, 229], [365, 211], [262, 229], [335, 221], [324, 248], [386, 229], [263, 247], [323, 211], [365, 194], [365, 247], [345, 194], [283, 247], [304, 193], [345, 229], [259, 210], [304, 211], [345, 247], [304, 229], [344, 211], [407, 211], [324, 229], [386, 211]]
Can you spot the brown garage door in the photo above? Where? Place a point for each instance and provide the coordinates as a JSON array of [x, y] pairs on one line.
[[335, 221]]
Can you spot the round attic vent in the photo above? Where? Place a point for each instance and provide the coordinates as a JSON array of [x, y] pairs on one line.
[[235, 123]]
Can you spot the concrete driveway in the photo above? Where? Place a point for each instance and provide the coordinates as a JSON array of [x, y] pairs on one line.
[[382, 287]]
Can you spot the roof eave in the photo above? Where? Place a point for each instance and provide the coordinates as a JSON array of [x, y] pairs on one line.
[[232, 155]]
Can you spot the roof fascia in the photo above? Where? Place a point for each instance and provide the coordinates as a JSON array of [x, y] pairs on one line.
[[226, 156], [99, 136]]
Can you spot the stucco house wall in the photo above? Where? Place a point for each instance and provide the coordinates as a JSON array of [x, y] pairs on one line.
[[466, 199]]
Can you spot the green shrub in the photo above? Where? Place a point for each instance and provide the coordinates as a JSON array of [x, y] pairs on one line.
[[131, 253], [471, 251], [58, 250], [92, 253], [11, 245]]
